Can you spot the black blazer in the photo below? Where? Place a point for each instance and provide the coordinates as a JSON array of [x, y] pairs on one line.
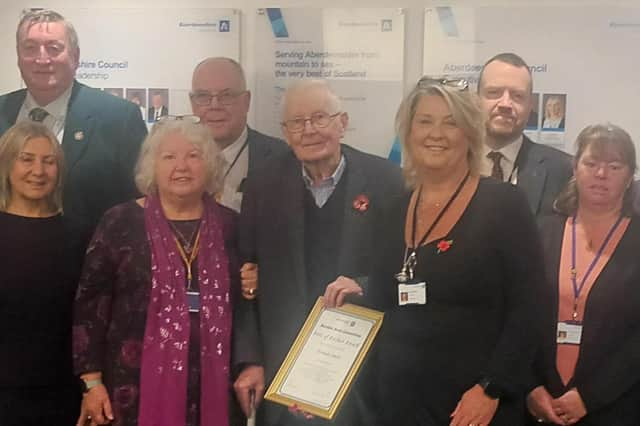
[[542, 173], [102, 137], [607, 374], [272, 234], [261, 148]]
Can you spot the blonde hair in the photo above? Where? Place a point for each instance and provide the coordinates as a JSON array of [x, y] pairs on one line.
[[465, 110], [11, 143], [600, 137], [197, 134]]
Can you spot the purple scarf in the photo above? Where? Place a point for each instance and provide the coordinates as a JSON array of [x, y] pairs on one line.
[[164, 370]]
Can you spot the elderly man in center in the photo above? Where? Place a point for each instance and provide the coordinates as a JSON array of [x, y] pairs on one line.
[[305, 221]]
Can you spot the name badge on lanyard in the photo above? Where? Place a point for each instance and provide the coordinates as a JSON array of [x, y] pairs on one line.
[[193, 300], [569, 333], [412, 294]]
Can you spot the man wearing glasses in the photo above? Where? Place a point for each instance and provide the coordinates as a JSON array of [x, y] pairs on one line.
[[505, 89], [100, 134], [305, 221], [219, 96]]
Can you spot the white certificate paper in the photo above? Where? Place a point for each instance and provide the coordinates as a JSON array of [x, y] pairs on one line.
[[325, 358]]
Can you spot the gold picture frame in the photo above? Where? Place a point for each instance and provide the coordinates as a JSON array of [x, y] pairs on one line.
[[325, 358]]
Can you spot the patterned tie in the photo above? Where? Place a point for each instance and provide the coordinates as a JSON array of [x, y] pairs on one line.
[[496, 170], [38, 114]]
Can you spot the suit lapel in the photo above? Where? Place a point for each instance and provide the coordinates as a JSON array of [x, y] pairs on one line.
[[354, 224], [531, 174], [79, 126], [10, 109]]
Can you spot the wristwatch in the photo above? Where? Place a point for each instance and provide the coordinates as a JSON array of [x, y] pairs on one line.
[[491, 389], [87, 385]]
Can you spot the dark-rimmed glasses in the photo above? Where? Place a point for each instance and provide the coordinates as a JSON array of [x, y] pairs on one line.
[[318, 120], [454, 83], [225, 97]]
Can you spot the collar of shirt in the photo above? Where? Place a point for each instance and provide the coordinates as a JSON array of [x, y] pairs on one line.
[[57, 111], [509, 151], [322, 191]]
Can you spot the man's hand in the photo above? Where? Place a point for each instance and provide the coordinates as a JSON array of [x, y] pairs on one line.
[[339, 289], [251, 379], [475, 408]]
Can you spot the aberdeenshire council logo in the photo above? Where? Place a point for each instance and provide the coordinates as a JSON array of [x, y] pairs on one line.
[[223, 25], [387, 25]]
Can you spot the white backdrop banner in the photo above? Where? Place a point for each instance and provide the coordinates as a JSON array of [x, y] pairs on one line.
[[148, 55], [582, 61], [359, 51]]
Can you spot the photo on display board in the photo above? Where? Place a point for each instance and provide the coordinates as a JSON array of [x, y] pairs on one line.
[[554, 108], [158, 104], [138, 97], [115, 91]]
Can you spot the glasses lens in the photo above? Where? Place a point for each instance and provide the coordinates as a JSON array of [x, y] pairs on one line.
[[455, 83], [201, 98], [320, 119]]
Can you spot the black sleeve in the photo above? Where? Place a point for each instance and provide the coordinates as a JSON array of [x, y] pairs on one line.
[[518, 245]]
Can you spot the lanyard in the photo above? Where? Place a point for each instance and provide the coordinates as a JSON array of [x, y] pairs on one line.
[[235, 160], [578, 288], [192, 256], [410, 260]]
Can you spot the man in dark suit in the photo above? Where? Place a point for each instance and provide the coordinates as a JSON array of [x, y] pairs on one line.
[[505, 87], [157, 109], [100, 134], [219, 96], [306, 220]]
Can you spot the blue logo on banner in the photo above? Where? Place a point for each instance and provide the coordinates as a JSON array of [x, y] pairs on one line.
[[395, 155], [224, 26], [387, 25], [278, 26]]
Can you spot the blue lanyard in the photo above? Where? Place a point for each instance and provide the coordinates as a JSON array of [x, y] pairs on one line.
[[577, 289]]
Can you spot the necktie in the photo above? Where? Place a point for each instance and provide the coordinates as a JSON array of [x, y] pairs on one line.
[[38, 114], [496, 170]]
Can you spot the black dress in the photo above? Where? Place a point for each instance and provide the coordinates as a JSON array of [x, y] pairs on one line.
[[480, 319], [39, 265]]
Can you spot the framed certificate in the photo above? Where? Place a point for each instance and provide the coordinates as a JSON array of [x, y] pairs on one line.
[[325, 358]]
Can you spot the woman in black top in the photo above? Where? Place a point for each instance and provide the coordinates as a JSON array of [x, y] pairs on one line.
[[457, 276], [38, 267]]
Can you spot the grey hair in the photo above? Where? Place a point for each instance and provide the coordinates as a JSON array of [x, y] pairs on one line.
[[32, 17], [11, 143], [304, 85], [465, 110], [197, 134], [235, 64]]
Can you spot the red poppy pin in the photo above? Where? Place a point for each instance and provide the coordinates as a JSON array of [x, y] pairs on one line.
[[444, 245], [361, 203]]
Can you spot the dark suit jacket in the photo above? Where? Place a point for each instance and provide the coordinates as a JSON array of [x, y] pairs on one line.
[[151, 114], [261, 148], [542, 173], [272, 234], [607, 374], [102, 137]]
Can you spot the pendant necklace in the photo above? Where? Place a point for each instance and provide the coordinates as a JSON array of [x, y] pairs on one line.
[[410, 258]]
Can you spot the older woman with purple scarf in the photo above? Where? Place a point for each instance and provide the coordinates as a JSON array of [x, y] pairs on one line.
[[152, 326]]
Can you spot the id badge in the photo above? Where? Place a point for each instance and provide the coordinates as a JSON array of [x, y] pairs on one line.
[[193, 300], [412, 294], [569, 333]]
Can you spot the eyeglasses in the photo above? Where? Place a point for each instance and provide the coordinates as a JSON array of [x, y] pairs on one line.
[[225, 97], [188, 118], [318, 120], [455, 83]]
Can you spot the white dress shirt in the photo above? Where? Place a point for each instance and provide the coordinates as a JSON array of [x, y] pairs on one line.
[[507, 163], [57, 112], [231, 197]]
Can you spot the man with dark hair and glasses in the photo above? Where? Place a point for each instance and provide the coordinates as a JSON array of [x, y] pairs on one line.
[[100, 134], [219, 96], [505, 88], [307, 221]]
